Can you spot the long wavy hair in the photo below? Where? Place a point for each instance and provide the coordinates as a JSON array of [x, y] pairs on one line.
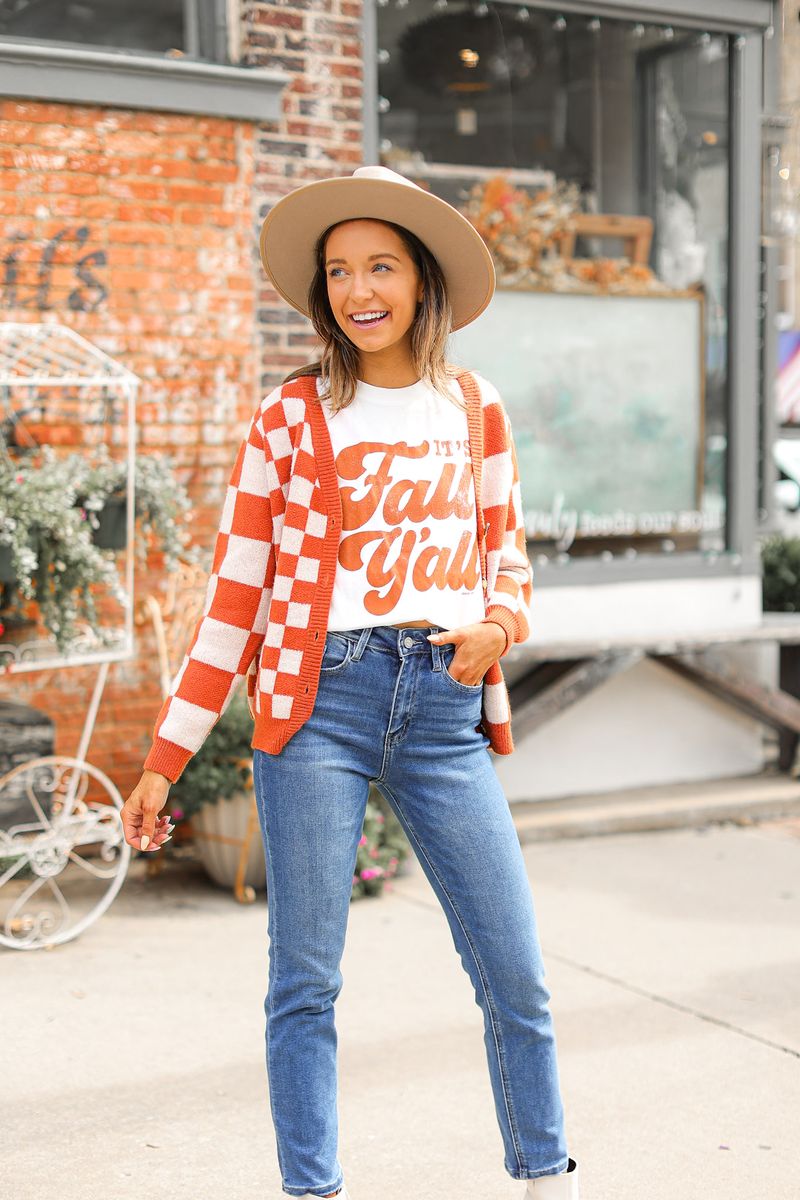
[[429, 331]]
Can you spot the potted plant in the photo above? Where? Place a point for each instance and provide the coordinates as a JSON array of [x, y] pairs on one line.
[[780, 581], [49, 554], [161, 504], [53, 539]]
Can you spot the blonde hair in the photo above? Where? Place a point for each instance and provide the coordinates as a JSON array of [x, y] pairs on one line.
[[429, 330]]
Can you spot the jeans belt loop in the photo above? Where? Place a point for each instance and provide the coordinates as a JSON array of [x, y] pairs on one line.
[[363, 638]]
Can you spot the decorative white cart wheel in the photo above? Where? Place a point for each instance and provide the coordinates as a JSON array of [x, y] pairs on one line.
[[62, 859]]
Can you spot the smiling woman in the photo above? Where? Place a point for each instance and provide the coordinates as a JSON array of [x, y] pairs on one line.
[[358, 505]]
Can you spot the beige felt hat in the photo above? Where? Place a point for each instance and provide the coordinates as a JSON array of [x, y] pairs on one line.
[[294, 223]]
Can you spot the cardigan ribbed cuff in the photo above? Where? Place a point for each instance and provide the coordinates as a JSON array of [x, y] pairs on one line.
[[505, 618], [167, 758]]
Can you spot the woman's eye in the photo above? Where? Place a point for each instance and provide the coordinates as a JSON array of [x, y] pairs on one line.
[[335, 269]]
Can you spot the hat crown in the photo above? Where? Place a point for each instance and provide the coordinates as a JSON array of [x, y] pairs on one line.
[[374, 171]]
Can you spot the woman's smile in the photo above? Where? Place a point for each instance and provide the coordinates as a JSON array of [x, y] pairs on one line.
[[370, 324]]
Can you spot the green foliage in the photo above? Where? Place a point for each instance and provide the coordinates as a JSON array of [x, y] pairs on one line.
[[161, 502], [54, 558], [780, 561], [48, 512]]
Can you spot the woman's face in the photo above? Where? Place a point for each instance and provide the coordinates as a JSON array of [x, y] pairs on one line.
[[369, 270]]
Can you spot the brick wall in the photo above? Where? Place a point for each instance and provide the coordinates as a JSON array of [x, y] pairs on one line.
[[135, 229], [321, 134], [139, 230]]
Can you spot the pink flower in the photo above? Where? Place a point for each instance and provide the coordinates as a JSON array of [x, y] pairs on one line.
[[177, 814], [373, 853], [369, 873], [363, 841]]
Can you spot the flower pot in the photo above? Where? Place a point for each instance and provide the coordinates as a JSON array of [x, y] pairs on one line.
[[112, 530], [229, 819], [8, 572]]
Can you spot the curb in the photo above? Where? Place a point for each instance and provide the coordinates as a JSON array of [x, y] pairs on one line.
[[742, 801]]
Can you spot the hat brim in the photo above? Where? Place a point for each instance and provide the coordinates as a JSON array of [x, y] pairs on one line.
[[291, 228]]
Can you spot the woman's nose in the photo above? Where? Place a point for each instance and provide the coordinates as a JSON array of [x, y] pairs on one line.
[[361, 288]]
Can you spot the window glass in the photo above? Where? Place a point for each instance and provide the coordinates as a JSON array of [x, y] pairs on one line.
[[154, 25], [593, 157]]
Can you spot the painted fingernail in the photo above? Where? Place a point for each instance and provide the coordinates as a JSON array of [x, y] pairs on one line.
[[145, 841], [167, 839]]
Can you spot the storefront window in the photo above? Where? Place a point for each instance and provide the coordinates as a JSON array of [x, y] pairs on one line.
[[154, 25], [593, 157]]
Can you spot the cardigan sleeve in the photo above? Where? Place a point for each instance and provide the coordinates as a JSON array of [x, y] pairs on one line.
[[231, 629], [509, 603]]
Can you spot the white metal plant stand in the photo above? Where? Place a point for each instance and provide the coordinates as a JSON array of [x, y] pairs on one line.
[[63, 855]]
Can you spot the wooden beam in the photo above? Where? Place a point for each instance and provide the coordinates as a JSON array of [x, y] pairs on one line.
[[532, 711], [771, 706]]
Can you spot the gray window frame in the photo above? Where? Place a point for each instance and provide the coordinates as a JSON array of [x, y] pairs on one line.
[[746, 21], [212, 86]]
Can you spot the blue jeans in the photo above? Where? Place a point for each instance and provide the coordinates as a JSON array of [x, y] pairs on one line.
[[388, 711]]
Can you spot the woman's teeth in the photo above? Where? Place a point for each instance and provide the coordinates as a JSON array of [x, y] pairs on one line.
[[367, 324]]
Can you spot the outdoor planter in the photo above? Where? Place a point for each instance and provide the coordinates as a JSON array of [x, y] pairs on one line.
[[112, 529], [228, 819], [7, 572]]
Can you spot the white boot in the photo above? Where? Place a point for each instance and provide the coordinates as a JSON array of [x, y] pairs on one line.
[[555, 1187]]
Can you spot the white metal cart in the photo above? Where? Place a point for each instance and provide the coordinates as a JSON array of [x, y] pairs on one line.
[[63, 855]]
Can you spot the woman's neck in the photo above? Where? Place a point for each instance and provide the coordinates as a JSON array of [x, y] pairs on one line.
[[394, 371]]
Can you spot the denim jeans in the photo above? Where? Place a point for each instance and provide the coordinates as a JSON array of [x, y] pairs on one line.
[[388, 711]]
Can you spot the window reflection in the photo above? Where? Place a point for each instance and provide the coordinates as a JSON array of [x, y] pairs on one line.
[[592, 156], [155, 25]]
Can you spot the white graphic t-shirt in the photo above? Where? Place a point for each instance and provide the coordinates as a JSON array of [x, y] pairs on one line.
[[409, 544]]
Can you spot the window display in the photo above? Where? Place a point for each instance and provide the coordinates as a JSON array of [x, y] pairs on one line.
[[593, 157]]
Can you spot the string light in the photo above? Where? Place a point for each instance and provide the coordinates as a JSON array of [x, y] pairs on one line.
[[668, 33], [594, 25], [523, 15], [481, 10], [560, 24], [638, 30]]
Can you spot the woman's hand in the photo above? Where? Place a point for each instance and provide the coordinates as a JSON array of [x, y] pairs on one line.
[[143, 829], [478, 646]]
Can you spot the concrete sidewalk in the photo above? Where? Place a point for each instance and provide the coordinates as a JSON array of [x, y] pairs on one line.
[[133, 1062]]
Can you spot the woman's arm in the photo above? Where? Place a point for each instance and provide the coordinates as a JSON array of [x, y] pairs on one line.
[[231, 629]]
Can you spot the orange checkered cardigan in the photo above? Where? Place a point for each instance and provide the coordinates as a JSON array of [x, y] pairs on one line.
[[268, 595]]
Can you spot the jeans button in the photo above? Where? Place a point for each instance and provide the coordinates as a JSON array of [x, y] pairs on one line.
[[408, 641]]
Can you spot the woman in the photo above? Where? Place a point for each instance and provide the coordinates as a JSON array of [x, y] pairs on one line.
[[369, 573]]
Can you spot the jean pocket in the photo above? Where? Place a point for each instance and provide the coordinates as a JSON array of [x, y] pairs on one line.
[[337, 652], [447, 657]]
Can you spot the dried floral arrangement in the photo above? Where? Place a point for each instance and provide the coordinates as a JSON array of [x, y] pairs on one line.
[[524, 233]]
